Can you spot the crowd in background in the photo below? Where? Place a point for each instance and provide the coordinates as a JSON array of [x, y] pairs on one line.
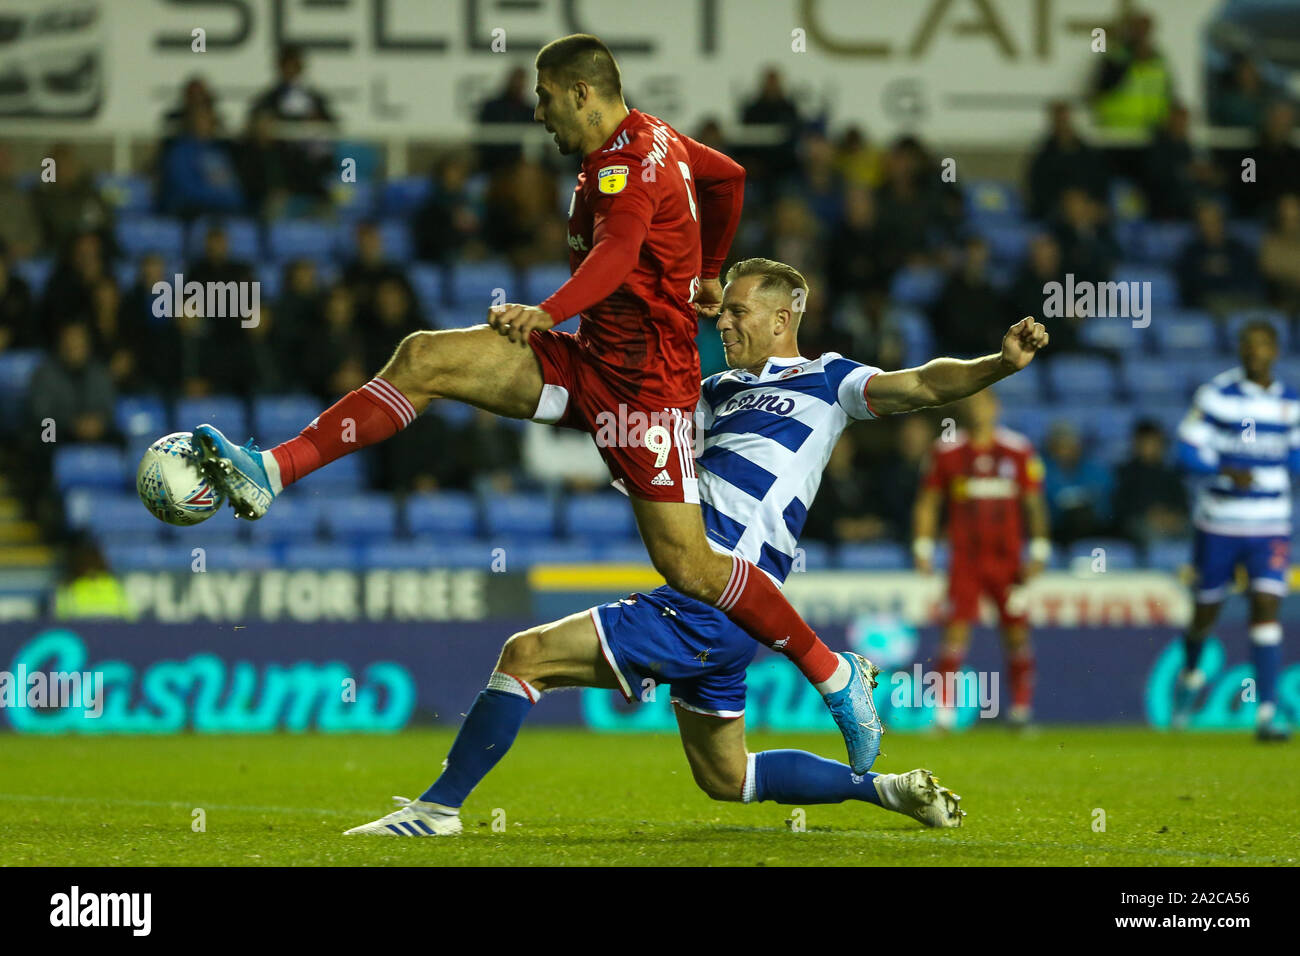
[[849, 211]]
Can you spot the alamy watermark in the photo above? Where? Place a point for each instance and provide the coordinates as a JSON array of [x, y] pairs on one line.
[[1085, 299], [214, 300], [81, 690], [934, 689]]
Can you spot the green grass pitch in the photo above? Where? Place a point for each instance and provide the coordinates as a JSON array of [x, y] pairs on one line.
[[569, 797]]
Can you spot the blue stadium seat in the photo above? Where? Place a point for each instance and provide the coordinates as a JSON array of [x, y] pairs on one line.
[[277, 418], [576, 551], [1287, 370], [321, 556], [1168, 554], [1129, 235], [365, 516], [1162, 242], [354, 201], [1168, 413], [427, 281], [351, 473], [301, 239], [541, 281], [1186, 331], [625, 551], [124, 556], [459, 553], [442, 514], [473, 284], [394, 235], [993, 199], [1278, 320], [873, 556], [1146, 378], [35, 272], [1025, 386], [1100, 422], [16, 369], [108, 514], [1032, 421], [271, 277], [294, 517], [403, 196], [1248, 231], [141, 416], [400, 554], [1197, 371], [129, 192], [916, 285], [137, 235], [816, 556], [236, 556], [1112, 333], [227, 412], [90, 466], [243, 236], [1008, 241], [521, 515], [601, 515], [1164, 287], [1120, 554], [1072, 377]]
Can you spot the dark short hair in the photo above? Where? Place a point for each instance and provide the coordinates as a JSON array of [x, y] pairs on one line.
[[1259, 325], [581, 57]]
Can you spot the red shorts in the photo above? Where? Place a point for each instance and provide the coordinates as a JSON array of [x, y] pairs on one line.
[[648, 450], [968, 582]]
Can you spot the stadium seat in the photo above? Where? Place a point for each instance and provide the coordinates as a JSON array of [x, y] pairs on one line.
[[1100, 420], [600, 515], [541, 281], [1186, 331], [243, 236], [442, 514], [1164, 288], [576, 551], [458, 553], [1169, 554], [354, 201], [294, 517], [321, 556], [1032, 421], [271, 277], [395, 237], [403, 196], [873, 556], [1120, 555], [1288, 371], [1197, 371], [35, 272], [1146, 378], [301, 239], [16, 369], [1168, 413], [1162, 242], [398, 554], [1073, 376], [916, 285], [141, 416], [428, 282], [235, 556], [130, 193], [473, 284], [90, 466], [277, 418], [351, 473], [1008, 241], [360, 516], [993, 199], [1024, 386], [106, 515], [138, 235], [816, 556], [227, 412], [1247, 231], [124, 556], [624, 551], [1112, 333], [521, 515]]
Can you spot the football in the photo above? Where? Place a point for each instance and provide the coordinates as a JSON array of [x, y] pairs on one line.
[[171, 482]]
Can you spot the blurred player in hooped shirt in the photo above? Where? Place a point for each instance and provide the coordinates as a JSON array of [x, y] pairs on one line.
[[990, 478]]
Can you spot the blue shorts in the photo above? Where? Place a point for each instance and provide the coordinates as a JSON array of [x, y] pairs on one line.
[[1267, 559], [668, 638]]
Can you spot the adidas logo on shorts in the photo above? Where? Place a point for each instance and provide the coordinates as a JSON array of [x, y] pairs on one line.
[[663, 478]]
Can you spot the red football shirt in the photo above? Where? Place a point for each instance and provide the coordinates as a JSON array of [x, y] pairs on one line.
[[653, 212], [983, 488]]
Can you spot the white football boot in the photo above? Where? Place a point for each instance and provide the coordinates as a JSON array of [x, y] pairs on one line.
[[917, 793], [413, 818]]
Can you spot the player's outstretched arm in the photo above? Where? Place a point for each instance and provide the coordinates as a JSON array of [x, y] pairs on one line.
[[945, 380]]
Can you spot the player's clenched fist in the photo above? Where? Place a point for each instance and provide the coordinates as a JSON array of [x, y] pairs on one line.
[[1022, 340], [515, 322]]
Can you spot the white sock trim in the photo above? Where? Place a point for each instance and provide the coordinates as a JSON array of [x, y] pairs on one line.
[[399, 404], [839, 678], [510, 684], [272, 472], [735, 584], [1266, 635], [747, 792]]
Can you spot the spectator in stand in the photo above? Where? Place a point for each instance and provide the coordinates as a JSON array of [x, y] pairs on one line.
[[513, 105], [70, 289], [1150, 499], [1088, 250], [265, 165], [369, 268], [899, 474], [1026, 296], [72, 204], [392, 317], [417, 459], [334, 356], [1078, 487], [151, 339], [521, 218], [1279, 255], [970, 313], [293, 101], [489, 454], [792, 234], [858, 160], [110, 344], [1277, 164], [1175, 174], [1064, 161], [20, 227], [860, 255], [710, 135], [215, 264], [195, 94], [1241, 100], [197, 173], [298, 311], [18, 326], [1215, 270], [915, 207], [871, 327], [843, 511], [820, 186], [772, 108], [1134, 86], [447, 226], [74, 390]]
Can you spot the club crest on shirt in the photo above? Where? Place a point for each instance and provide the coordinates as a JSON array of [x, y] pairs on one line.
[[612, 179]]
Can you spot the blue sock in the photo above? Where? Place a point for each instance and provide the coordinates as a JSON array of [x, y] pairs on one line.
[[1191, 652], [489, 729], [796, 776], [1266, 654]]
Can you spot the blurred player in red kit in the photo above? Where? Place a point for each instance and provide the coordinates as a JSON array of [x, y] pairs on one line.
[[990, 478], [650, 224]]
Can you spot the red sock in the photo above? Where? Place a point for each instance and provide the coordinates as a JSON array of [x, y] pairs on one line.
[[949, 663], [754, 603], [370, 414], [1021, 666]]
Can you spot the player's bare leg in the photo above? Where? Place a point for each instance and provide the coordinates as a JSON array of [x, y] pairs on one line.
[[474, 365], [1266, 656], [1191, 680], [1019, 655], [725, 770], [675, 538], [952, 652], [564, 653]]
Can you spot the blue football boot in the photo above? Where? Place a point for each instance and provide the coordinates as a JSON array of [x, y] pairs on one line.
[[237, 471], [855, 713]]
